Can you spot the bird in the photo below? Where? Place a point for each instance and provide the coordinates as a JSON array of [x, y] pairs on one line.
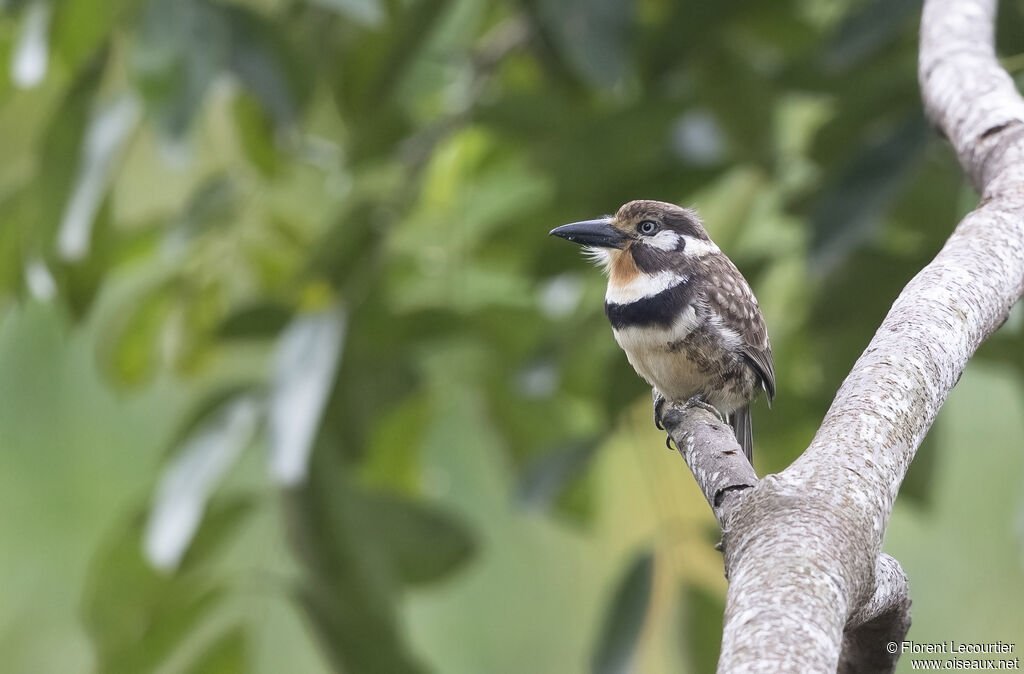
[[680, 309]]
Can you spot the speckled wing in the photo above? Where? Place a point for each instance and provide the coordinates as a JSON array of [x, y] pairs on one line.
[[737, 306]]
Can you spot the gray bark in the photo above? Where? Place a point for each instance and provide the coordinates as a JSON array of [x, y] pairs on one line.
[[810, 590]]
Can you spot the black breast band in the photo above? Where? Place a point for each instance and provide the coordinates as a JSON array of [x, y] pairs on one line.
[[657, 310]]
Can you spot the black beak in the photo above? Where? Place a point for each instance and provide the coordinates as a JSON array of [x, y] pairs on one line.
[[598, 233]]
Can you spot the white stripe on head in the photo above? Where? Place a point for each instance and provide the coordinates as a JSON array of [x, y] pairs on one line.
[[665, 240], [669, 240], [699, 247], [644, 285]]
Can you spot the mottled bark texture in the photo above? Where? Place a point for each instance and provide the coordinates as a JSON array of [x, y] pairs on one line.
[[810, 590], [710, 449]]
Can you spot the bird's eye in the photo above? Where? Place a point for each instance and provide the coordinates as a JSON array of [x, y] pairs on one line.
[[647, 227]]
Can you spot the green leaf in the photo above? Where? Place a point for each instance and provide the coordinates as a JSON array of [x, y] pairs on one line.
[[850, 304], [545, 478], [866, 29], [365, 12], [108, 130], [224, 516], [137, 617], [181, 47], [185, 44], [226, 655], [61, 143], [393, 459], [592, 35], [1006, 346], [370, 66], [83, 27], [305, 363], [347, 254], [421, 543], [256, 321], [255, 131], [917, 485], [30, 59], [346, 589], [128, 346], [193, 474], [624, 618], [703, 611], [80, 280], [476, 176], [354, 636], [260, 60], [850, 210], [203, 409], [14, 269], [376, 373], [214, 202]]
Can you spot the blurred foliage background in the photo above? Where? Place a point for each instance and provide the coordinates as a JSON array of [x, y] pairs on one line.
[[292, 378]]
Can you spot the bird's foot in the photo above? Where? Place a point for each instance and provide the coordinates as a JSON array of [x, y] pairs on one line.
[[698, 401], [659, 405]]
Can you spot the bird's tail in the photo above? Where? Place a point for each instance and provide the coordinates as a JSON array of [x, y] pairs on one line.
[[744, 430]]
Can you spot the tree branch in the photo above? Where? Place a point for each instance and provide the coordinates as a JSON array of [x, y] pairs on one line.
[[882, 620], [809, 588], [713, 455], [725, 477]]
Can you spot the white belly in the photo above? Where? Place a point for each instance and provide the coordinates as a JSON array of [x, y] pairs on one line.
[[650, 351]]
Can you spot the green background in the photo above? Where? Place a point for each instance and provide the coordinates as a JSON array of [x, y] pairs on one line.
[[486, 490]]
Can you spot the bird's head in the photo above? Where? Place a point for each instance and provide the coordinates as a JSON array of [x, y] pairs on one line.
[[650, 235]]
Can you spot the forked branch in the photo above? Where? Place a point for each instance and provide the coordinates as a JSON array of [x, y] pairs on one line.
[[810, 589]]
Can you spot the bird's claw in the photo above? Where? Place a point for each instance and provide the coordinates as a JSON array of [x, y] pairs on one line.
[[659, 404], [698, 401]]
